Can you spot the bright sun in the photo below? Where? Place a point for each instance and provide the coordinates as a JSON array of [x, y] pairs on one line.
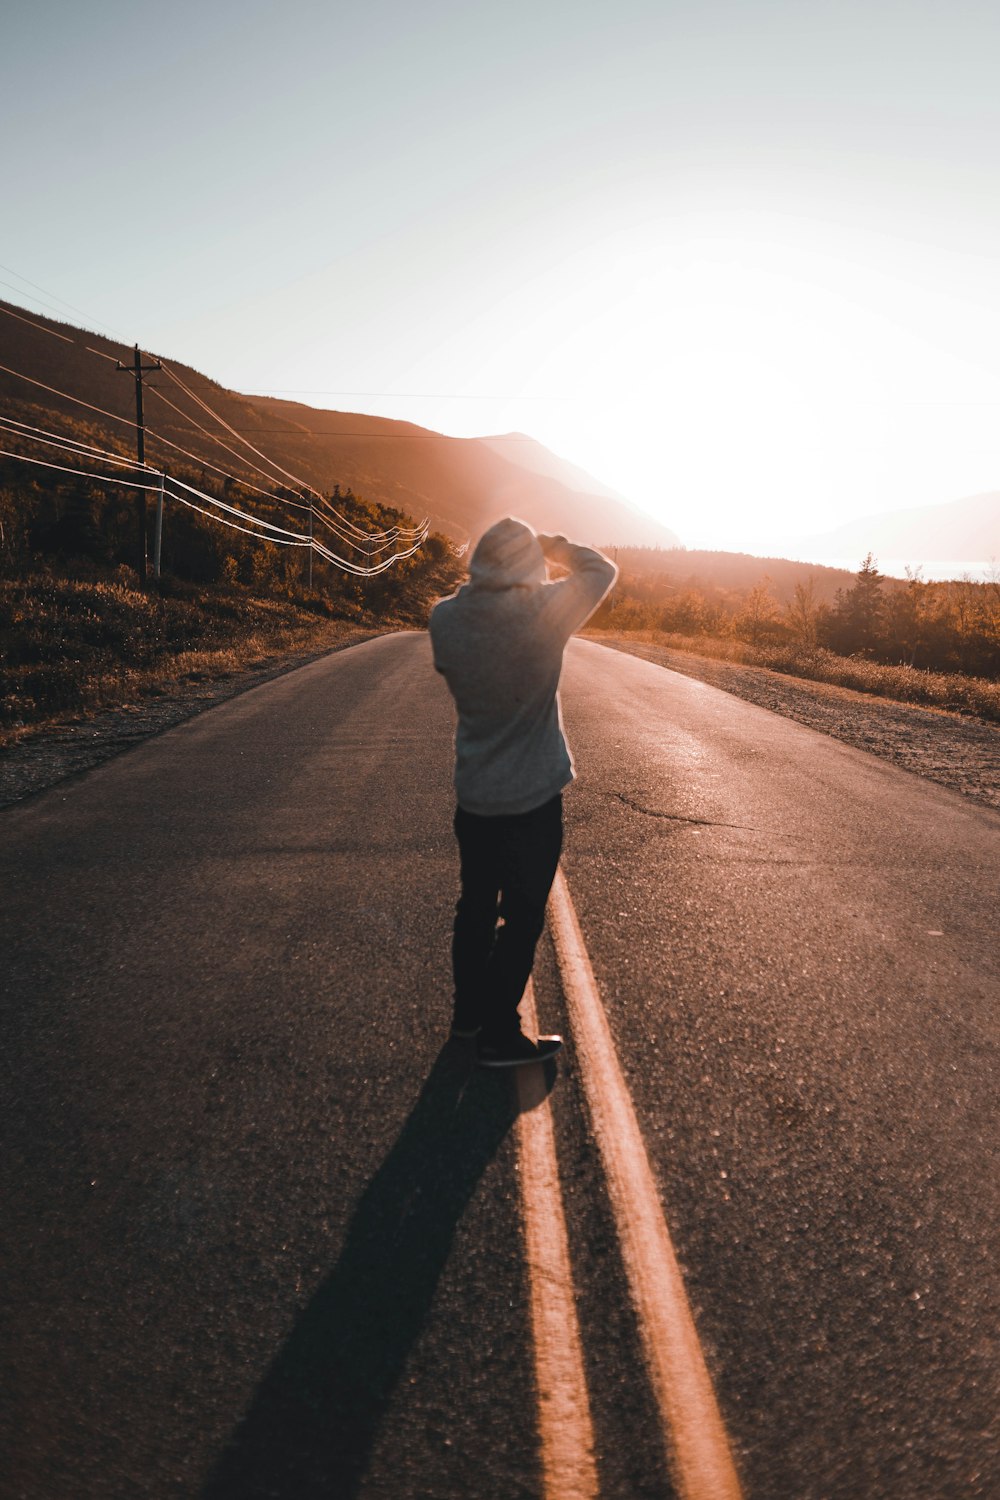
[[740, 381]]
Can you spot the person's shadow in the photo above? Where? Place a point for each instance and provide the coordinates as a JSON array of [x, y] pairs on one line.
[[311, 1427]]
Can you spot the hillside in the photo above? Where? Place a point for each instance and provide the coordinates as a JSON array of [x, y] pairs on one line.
[[968, 529], [518, 448], [461, 485], [689, 568]]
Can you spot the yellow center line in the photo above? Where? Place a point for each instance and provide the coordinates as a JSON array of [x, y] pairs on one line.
[[567, 1437], [694, 1434]]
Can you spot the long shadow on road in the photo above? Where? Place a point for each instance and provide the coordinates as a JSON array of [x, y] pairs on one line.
[[311, 1427]]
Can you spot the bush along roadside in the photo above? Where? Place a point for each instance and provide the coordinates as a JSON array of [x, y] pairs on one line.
[[72, 647], [975, 697]]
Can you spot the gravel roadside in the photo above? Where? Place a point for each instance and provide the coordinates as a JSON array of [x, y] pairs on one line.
[[956, 752]]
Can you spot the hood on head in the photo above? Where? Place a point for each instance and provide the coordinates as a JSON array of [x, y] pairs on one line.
[[507, 555]]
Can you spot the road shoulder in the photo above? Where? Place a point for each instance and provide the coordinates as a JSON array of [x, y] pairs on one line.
[[955, 752], [47, 756]]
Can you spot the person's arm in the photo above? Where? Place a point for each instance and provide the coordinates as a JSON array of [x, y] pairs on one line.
[[591, 575]]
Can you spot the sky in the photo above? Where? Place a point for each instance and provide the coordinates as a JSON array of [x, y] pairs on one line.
[[739, 259]]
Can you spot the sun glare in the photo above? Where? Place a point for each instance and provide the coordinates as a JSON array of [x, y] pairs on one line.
[[737, 379]]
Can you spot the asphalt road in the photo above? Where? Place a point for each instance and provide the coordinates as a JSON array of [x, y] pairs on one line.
[[261, 1229]]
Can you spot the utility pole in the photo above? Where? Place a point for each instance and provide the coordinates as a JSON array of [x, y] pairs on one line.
[[138, 370], [158, 534], [307, 495]]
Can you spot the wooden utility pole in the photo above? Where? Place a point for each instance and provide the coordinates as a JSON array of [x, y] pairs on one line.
[[158, 534], [138, 370], [307, 496]]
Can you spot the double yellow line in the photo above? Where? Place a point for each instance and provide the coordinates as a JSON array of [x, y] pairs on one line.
[[694, 1436]]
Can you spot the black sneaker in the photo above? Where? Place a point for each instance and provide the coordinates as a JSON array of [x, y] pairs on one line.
[[516, 1051]]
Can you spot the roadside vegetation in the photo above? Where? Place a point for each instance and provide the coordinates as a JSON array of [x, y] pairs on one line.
[[915, 641], [78, 634], [71, 647]]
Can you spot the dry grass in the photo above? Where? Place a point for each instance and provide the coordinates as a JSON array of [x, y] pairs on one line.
[[70, 648], [975, 696]]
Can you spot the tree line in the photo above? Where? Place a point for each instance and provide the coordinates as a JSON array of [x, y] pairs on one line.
[[942, 627], [70, 524]]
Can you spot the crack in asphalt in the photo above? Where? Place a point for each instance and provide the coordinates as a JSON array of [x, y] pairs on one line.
[[654, 812]]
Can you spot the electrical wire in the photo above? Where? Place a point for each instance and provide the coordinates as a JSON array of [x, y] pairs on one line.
[[325, 512], [79, 450], [317, 513], [340, 526], [79, 310], [85, 473], [72, 441], [279, 537], [346, 530], [247, 530], [303, 484], [349, 526], [234, 510], [297, 538], [214, 439], [277, 499], [223, 423], [67, 397], [84, 450], [31, 433], [292, 504], [31, 322], [101, 355]]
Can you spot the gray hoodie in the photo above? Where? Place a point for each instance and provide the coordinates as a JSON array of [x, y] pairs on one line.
[[499, 644]]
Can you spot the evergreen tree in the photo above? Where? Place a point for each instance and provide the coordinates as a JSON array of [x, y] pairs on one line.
[[858, 614]]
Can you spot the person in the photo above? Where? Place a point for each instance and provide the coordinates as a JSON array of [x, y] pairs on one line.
[[498, 642]]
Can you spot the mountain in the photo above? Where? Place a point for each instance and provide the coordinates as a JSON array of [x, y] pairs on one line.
[[518, 448], [461, 484], [967, 529]]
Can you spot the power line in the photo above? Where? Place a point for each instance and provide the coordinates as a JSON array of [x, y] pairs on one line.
[[43, 329], [279, 535], [84, 473], [31, 322], [223, 423], [68, 445], [67, 397], [11, 272], [140, 429], [351, 527], [234, 510], [375, 536], [212, 438], [204, 463], [339, 525], [279, 499]]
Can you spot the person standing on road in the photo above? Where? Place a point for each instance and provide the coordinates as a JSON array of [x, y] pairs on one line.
[[498, 642]]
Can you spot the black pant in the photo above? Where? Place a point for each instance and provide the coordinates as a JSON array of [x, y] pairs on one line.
[[508, 866]]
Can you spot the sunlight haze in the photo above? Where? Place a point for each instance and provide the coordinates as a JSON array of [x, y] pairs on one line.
[[736, 260]]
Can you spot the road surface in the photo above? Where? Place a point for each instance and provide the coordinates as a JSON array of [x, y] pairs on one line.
[[265, 1232]]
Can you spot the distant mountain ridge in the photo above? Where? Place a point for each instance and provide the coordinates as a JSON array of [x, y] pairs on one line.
[[968, 529], [461, 484]]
